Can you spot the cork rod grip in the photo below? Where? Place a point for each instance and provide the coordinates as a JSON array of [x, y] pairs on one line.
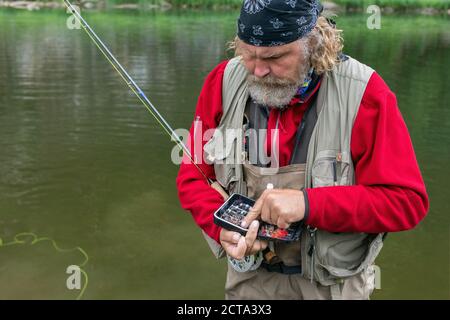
[[216, 186]]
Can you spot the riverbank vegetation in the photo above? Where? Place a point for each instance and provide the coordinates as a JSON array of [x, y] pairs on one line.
[[417, 6]]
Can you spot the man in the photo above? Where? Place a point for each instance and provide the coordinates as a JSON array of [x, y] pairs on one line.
[[345, 169]]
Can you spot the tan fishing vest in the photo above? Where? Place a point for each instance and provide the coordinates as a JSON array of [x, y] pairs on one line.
[[325, 257]]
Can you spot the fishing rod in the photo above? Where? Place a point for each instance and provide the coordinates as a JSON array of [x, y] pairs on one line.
[[139, 93]]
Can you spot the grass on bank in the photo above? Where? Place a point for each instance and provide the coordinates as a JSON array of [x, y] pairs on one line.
[[396, 4], [208, 4]]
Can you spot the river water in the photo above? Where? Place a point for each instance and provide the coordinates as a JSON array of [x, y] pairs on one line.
[[84, 164]]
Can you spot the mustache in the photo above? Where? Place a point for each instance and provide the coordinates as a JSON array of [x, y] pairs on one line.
[[271, 81]]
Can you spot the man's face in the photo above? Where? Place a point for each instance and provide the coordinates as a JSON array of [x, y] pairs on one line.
[[275, 73]]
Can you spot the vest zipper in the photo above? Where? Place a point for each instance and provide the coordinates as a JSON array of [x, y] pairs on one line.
[[312, 249], [334, 165]]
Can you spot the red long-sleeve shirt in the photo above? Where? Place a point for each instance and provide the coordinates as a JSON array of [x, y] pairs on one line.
[[389, 194]]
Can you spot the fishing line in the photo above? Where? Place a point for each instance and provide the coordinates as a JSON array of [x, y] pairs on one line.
[[132, 85], [36, 239]]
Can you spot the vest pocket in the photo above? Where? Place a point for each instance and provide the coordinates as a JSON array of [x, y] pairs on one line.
[[343, 250], [221, 152], [331, 168], [344, 255]]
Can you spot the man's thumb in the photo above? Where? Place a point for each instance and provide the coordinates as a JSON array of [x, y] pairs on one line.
[[251, 215]]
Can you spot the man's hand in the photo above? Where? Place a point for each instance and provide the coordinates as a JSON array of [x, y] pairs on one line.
[[280, 207], [238, 246]]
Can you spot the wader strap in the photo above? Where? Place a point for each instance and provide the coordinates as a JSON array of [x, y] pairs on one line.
[[304, 133], [257, 116]]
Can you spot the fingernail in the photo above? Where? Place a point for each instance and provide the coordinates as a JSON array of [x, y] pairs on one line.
[[244, 224], [236, 237]]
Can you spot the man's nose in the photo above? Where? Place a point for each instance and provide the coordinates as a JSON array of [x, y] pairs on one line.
[[261, 69]]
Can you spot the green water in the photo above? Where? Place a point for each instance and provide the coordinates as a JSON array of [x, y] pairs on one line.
[[83, 163]]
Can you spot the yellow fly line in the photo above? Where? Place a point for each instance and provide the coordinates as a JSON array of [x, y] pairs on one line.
[[24, 238]]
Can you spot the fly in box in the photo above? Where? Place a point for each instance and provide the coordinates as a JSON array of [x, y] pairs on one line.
[[233, 211]]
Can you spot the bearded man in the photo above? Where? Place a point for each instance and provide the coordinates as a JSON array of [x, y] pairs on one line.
[[330, 126]]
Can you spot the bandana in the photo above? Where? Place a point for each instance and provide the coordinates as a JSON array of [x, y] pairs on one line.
[[269, 23]]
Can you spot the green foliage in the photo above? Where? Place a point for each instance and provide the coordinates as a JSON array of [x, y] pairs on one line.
[[397, 4], [208, 4]]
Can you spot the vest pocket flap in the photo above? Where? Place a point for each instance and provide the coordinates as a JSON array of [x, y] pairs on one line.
[[219, 148], [331, 168]]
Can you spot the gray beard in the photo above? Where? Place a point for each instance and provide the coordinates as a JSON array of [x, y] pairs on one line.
[[274, 92]]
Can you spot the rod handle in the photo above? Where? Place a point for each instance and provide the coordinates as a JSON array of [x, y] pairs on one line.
[[216, 186]]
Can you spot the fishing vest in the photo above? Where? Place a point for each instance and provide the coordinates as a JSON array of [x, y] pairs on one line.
[[326, 257]]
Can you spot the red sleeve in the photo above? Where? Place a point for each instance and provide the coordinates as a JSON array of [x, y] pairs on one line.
[[194, 192], [389, 194]]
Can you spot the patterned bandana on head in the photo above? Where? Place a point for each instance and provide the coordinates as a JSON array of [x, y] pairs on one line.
[[269, 23]]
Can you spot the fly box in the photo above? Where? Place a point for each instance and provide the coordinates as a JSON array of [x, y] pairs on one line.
[[230, 215]]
